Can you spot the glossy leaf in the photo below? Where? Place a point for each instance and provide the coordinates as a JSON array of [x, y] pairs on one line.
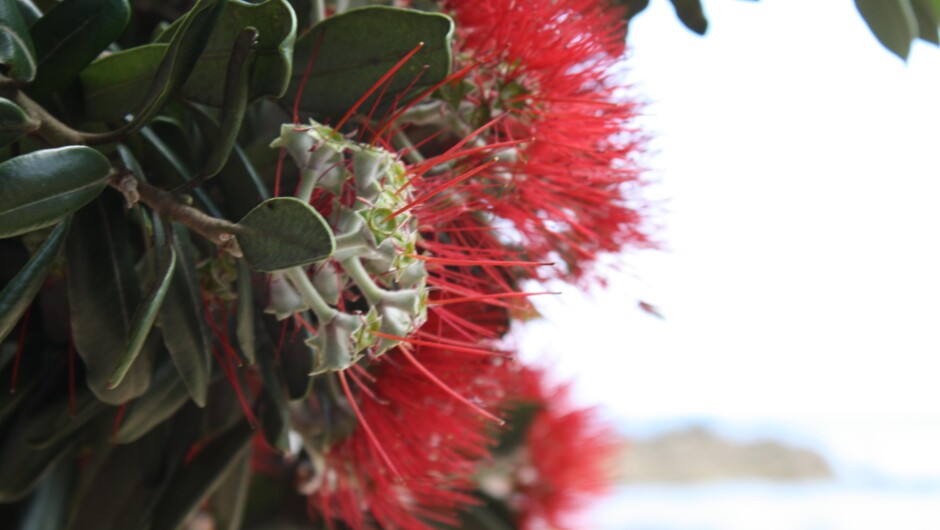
[[691, 14], [892, 21], [14, 123], [284, 232], [18, 294], [166, 395], [42, 187], [348, 65], [144, 318], [16, 47], [70, 35], [277, 29], [201, 476], [115, 85], [104, 292], [184, 331]]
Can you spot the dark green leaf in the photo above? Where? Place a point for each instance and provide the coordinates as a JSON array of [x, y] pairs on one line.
[[23, 466], [49, 506], [241, 185], [245, 321], [230, 499], [277, 27], [71, 35], [29, 11], [893, 23], [347, 65], [166, 395], [514, 435], [184, 331], [104, 292], [42, 187], [115, 85], [144, 318], [14, 123], [19, 293], [274, 413], [55, 423], [201, 476], [284, 232], [927, 13], [16, 48], [691, 14], [30, 373]]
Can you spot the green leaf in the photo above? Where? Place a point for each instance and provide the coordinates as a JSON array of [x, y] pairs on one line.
[[284, 232], [245, 317], [241, 185], [28, 11], [23, 466], [144, 318], [19, 293], [184, 332], [275, 420], [892, 21], [14, 123], [55, 423], [49, 505], [16, 48], [115, 85], [347, 65], [42, 187], [691, 14], [201, 476], [71, 35], [229, 501], [277, 28], [166, 395], [927, 13], [30, 373], [104, 292]]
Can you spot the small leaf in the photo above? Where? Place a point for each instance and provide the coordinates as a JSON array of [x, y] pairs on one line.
[[104, 291], [691, 14], [14, 123], [166, 395], [42, 187], [184, 331], [893, 23], [348, 65], [284, 232], [201, 476], [144, 318], [16, 48], [19, 293], [71, 35]]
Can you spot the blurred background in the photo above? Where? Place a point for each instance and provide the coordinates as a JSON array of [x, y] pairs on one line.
[[792, 379]]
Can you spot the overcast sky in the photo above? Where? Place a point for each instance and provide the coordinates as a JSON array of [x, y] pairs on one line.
[[802, 274]]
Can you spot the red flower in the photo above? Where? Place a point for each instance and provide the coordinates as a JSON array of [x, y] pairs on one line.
[[563, 462], [573, 191]]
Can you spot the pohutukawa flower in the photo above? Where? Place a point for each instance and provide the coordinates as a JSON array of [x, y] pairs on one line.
[[573, 188]]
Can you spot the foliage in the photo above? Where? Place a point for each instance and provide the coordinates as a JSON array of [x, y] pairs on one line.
[[257, 256]]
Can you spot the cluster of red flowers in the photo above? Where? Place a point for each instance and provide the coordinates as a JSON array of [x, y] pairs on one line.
[[563, 189]]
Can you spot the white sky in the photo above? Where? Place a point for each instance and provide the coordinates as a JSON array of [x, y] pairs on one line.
[[802, 279]]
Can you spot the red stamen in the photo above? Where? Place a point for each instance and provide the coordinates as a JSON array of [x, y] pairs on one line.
[[485, 297], [481, 263], [19, 350], [377, 84], [303, 80], [450, 391], [366, 389], [366, 428], [440, 188], [232, 377], [280, 341], [448, 347]]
